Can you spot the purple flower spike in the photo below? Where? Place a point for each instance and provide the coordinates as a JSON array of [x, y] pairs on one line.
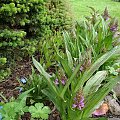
[[63, 81], [81, 68], [79, 107], [82, 99], [113, 28], [74, 106], [56, 82], [106, 15], [78, 101], [81, 104]]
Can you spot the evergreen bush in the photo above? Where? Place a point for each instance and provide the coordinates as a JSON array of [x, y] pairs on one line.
[[24, 23]]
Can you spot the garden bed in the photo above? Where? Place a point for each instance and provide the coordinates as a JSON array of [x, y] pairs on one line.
[[68, 74]]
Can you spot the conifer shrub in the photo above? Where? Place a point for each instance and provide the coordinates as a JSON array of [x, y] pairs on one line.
[[25, 23]]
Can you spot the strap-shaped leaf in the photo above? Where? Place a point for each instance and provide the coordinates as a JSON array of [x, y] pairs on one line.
[[65, 65], [44, 73], [98, 96], [94, 82], [70, 79], [96, 65], [41, 69], [70, 60]]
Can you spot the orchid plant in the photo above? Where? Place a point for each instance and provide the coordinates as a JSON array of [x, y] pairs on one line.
[[78, 86]]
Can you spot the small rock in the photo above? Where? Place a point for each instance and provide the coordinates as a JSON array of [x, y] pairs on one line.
[[114, 107], [117, 90], [23, 80], [114, 119]]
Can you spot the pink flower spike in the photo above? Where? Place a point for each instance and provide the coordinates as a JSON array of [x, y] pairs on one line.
[[81, 68], [82, 99], [74, 106], [56, 82], [82, 105], [63, 82], [79, 107]]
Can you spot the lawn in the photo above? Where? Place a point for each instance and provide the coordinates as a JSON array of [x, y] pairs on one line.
[[80, 9]]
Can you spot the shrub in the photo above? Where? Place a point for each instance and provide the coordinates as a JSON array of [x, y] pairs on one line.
[[24, 23]]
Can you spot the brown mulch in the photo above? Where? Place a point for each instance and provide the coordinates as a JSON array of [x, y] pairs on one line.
[[8, 86]]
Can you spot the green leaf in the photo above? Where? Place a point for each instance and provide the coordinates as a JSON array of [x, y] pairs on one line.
[[108, 42], [41, 69], [39, 111], [24, 94], [70, 60], [70, 79], [94, 82], [65, 65], [96, 66], [45, 74], [98, 96]]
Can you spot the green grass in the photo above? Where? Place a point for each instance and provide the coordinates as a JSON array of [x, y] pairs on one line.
[[80, 9]]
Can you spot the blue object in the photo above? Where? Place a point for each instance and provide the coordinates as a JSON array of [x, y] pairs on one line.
[[1, 107], [20, 89], [0, 113], [0, 116], [23, 80]]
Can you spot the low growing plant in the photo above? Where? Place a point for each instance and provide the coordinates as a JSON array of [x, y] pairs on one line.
[[77, 95], [39, 111], [37, 82], [14, 109]]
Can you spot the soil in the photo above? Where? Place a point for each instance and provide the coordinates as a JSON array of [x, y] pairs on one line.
[[8, 86]]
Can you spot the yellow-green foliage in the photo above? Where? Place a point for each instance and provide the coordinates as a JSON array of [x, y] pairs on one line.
[[24, 23]]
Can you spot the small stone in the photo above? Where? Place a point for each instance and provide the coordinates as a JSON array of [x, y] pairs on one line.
[[117, 90], [114, 107], [23, 80], [114, 119]]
